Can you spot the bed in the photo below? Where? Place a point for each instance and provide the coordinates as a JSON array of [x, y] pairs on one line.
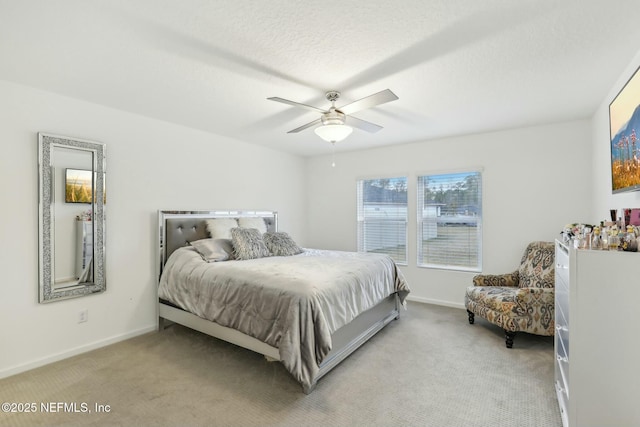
[[308, 310]]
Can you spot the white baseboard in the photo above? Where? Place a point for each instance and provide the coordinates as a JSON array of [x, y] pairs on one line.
[[73, 352], [435, 302]]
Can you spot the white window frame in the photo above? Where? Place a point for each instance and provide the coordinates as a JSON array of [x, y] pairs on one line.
[[456, 222], [404, 222]]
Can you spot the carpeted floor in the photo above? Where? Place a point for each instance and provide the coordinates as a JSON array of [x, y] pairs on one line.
[[430, 368]]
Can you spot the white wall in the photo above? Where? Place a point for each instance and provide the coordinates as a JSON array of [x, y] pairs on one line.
[[603, 198], [151, 165], [535, 180]]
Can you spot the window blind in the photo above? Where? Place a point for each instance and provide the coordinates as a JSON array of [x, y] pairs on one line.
[[450, 221], [382, 217]]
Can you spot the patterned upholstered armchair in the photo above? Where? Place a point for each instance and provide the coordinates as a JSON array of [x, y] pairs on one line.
[[522, 301]]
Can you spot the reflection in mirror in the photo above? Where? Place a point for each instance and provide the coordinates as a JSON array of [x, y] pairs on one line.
[[73, 240], [72, 196]]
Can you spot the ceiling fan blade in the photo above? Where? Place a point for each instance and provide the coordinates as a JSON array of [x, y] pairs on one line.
[[362, 124], [303, 127], [296, 104], [369, 101]]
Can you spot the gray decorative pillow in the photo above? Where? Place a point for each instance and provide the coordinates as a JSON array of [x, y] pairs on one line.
[[281, 244], [212, 250], [248, 243]]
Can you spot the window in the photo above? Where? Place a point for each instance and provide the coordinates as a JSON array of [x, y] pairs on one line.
[[450, 221], [382, 217]]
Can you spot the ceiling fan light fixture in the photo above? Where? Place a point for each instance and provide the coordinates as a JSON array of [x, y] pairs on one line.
[[333, 128], [333, 133]]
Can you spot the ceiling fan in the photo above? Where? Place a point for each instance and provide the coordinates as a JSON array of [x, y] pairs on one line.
[[336, 122]]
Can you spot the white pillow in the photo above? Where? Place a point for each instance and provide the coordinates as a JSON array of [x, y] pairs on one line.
[[253, 222], [220, 228]]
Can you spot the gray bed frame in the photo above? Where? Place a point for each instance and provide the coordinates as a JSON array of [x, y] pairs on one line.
[[177, 228]]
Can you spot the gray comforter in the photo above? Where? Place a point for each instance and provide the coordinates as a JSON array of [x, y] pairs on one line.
[[291, 303]]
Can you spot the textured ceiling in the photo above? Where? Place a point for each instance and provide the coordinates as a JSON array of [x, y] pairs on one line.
[[458, 66]]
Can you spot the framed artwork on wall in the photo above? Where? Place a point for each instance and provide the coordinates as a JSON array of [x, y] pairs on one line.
[[624, 127]]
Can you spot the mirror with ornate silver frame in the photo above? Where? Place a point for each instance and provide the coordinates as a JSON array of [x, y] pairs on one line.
[[71, 217]]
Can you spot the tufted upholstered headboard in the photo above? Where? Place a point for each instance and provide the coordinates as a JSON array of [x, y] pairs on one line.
[[178, 228]]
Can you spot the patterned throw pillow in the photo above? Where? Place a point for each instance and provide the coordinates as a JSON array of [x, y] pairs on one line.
[[212, 250], [281, 244], [248, 244]]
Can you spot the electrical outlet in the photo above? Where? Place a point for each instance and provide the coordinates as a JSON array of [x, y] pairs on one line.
[[83, 316]]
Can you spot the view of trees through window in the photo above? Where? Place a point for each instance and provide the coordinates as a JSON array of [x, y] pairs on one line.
[[382, 217], [450, 219]]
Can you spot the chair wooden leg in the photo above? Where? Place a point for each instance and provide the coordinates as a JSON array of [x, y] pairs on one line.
[[471, 317], [509, 336]]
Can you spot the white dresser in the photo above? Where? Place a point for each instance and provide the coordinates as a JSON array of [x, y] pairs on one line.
[[84, 245], [597, 340]]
